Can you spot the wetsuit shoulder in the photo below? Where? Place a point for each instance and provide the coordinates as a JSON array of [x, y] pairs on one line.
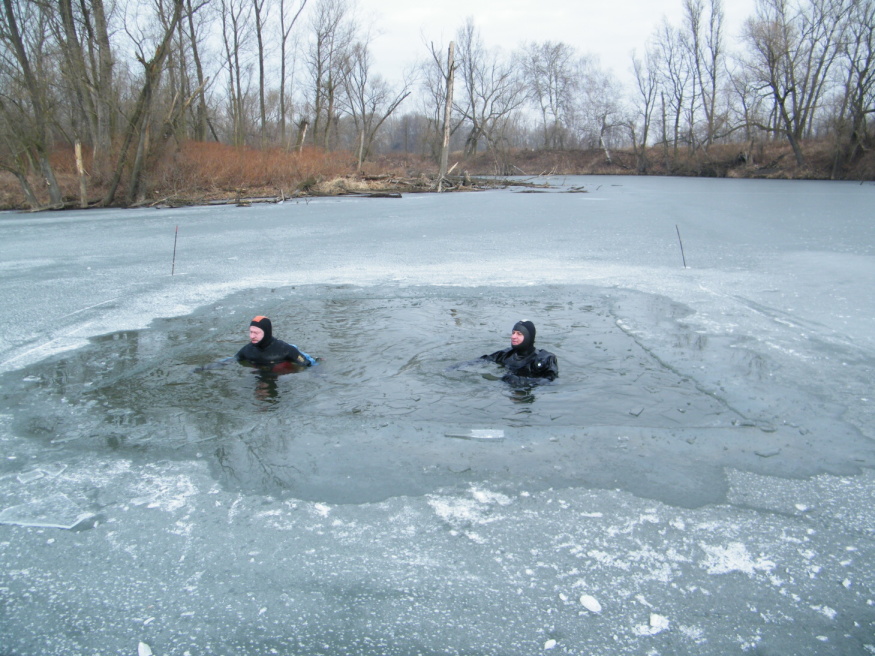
[[498, 356]]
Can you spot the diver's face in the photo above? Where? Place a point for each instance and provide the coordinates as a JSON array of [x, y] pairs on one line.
[[256, 334], [516, 338]]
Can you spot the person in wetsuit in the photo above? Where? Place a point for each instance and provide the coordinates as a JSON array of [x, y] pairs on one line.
[[526, 365], [266, 350]]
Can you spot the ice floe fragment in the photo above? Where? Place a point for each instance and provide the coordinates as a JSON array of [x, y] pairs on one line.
[[55, 511], [52, 470], [28, 477], [550, 644], [144, 650], [493, 434]]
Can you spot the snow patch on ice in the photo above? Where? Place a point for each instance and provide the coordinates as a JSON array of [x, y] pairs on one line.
[[466, 511], [734, 557]]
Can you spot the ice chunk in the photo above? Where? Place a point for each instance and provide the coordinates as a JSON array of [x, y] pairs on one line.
[[550, 644], [144, 650], [28, 477], [55, 511], [494, 434], [52, 470], [657, 624], [590, 603]]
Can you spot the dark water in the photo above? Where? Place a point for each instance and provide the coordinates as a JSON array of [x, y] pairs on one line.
[[398, 378]]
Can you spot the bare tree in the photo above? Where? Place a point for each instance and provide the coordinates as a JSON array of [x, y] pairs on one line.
[[599, 107], [857, 92], [368, 99], [34, 130], [235, 17], [446, 132], [152, 70], [675, 81], [286, 25], [705, 44], [88, 66], [646, 88], [200, 119], [491, 90], [261, 11], [552, 82], [332, 34], [14, 157], [793, 49]]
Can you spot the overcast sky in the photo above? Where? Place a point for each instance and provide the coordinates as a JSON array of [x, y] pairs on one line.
[[609, 29]]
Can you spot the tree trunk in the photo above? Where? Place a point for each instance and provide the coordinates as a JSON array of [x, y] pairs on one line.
[[40, 138], [141, 109], [80, 170], [200, 114], [139, 159], [258, 5], [104, 99], [302, 134], [29, 196], [448, 108]]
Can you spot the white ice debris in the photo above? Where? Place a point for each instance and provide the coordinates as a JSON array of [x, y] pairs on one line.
[[493, 434], [487, 496], [550, 644], [656, 624], [734, 557], [826, 611], [144, 650], [590, 603]]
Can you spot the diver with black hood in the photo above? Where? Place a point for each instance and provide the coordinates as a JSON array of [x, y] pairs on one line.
[[266, 350], [525, 363]]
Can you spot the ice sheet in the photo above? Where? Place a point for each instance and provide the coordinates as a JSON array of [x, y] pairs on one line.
[[55, 511]]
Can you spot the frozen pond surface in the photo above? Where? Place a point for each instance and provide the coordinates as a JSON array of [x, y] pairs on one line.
[[698, 480]]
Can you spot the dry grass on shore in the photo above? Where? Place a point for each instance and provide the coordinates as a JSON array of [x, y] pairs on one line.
[[204, 172]]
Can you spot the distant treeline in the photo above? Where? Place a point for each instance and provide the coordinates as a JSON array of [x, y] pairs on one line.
[[122, 86]]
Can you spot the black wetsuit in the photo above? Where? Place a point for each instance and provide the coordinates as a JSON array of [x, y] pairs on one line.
[[525, 363], [273, 352]]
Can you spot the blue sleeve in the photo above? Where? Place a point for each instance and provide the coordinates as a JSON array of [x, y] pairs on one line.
[[310, 360]]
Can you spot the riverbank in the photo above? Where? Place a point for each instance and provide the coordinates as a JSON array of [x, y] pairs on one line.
[[214, 174]]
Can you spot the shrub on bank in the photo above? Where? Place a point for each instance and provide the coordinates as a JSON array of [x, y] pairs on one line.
[[204, 168]]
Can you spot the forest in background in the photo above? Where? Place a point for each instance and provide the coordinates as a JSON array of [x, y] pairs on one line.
[[121, 103]]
